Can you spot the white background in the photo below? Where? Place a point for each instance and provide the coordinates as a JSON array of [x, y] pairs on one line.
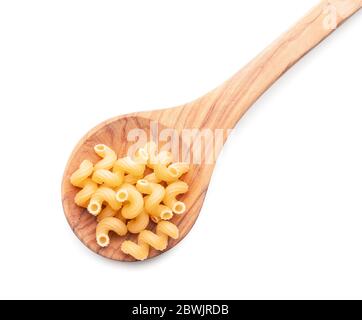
[[283, 215]]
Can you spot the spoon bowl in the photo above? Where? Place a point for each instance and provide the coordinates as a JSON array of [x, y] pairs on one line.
[[114, 133]]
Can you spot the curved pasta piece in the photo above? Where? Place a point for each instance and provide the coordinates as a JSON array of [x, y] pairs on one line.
[[106, 213], [84, 171], [153, 204], [159, 211], [103, 194], [130, 166], [120, 217], [82, 198], [152, 178], [131, 179], [181, 167], [108, 155], [163, 171], [132, 199], [139, 223], [171, 192], [105, 226], [158, 240], [108, 178], [139, 250]]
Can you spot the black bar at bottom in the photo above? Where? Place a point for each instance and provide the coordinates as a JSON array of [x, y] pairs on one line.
[[184, 309]]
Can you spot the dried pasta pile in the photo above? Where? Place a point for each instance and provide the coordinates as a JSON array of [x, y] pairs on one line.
[[125, 193]]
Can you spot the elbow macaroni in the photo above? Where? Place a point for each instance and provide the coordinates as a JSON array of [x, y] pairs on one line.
[[108, 155], [152, 178], [108, 178], [133, 200], [153, 205], [130, 166], [103, 195], [163, 171], [139, 223], [83, 196], [131, 179], [181, 168], [80, 179], [107, 225], [135, 167], [171, 192], [139, 250], [125, 196], [147, 238], [107, 212], [83, 172]]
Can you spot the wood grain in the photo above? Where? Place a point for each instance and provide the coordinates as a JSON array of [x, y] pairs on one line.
[[222, 108]]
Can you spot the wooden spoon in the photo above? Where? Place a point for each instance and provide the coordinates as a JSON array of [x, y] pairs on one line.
[[220, 109]]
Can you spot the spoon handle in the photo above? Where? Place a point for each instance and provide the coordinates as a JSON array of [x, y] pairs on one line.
[[230, 101]]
